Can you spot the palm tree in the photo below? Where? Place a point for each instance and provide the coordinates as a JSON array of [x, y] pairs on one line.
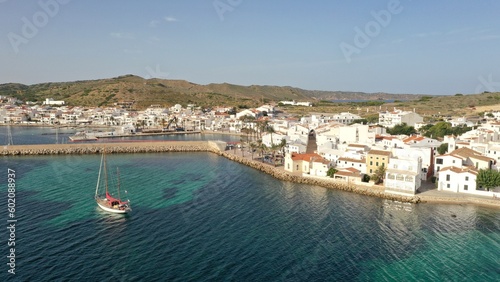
[[269, 129], [282, 146], [273, 150], [242, 147], [487, 179], [253, 147]]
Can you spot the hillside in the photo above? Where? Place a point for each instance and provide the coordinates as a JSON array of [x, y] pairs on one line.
[[145, 92]]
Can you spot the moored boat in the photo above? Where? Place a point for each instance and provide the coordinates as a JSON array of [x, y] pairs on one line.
[[105, 200]]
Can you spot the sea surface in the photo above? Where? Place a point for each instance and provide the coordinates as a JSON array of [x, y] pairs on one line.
[[201, 217], [24, 135]]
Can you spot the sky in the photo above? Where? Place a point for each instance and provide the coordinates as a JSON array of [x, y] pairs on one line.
[[397, 46]]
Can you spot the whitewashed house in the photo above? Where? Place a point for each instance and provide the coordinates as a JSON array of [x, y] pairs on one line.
[[458, 179], [359, 164], [402, 176], [396, 117], [269, 139]]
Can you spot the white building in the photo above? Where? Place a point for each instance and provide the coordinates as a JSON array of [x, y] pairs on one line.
[[457, 179], [425, 154], [402, 176], [396, 117], [463, 157], [357, 163], [276, 139], [293, 103], [52, 102]]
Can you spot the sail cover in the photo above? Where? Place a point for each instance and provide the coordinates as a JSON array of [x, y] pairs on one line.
[[112, 199]]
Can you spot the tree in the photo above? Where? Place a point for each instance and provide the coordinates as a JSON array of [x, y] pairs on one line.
[[366, 178], [443, 148], [378, 175], [253, 147], [282, 146], [487, 178], [331, 172], [444, 128], [402, 129]]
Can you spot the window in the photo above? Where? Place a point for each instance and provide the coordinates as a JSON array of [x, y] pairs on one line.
[[391, 176], [447, 177], [395, 166], [453, 161], [439, 161], [376, 163], [297, 167], [448, 185], [400, 177], [466, 178], [371, 163], [466, 187], [371, 170], [410, 168], [409, 178]]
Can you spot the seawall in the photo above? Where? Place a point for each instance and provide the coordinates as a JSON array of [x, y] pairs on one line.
[[122, 147]]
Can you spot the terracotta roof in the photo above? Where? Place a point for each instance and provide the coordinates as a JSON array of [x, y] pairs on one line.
[[348, 173], [379, 152], [356, 145], [413, 138], [464, 153], [308, 157], [351, 169], [481, 158], [455, 169], [352, 160]]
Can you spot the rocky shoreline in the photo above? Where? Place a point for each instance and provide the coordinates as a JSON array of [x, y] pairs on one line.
[[217, 147]]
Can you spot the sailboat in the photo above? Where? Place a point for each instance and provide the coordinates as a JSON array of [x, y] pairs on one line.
[[105, 200]]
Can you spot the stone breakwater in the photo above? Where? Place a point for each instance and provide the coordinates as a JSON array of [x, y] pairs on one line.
[[112, 148]]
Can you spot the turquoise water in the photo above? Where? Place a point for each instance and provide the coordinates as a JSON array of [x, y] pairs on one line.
[[200, 217]]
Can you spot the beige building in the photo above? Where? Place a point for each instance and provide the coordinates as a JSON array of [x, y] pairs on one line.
[[312, 164], [376, 158]]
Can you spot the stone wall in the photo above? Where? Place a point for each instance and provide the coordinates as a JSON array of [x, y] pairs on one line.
[[97, 148]]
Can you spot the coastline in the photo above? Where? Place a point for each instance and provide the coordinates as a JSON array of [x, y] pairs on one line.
[[217, 147]]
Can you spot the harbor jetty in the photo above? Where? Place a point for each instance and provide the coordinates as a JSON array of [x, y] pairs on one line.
[[111, 148], [218, 147]]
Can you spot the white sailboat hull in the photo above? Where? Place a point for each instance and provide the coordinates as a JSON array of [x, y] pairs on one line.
[[103, 205]]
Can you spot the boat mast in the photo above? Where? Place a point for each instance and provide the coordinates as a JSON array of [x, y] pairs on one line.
[[99, 177], [105, 173], [118, 182]]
